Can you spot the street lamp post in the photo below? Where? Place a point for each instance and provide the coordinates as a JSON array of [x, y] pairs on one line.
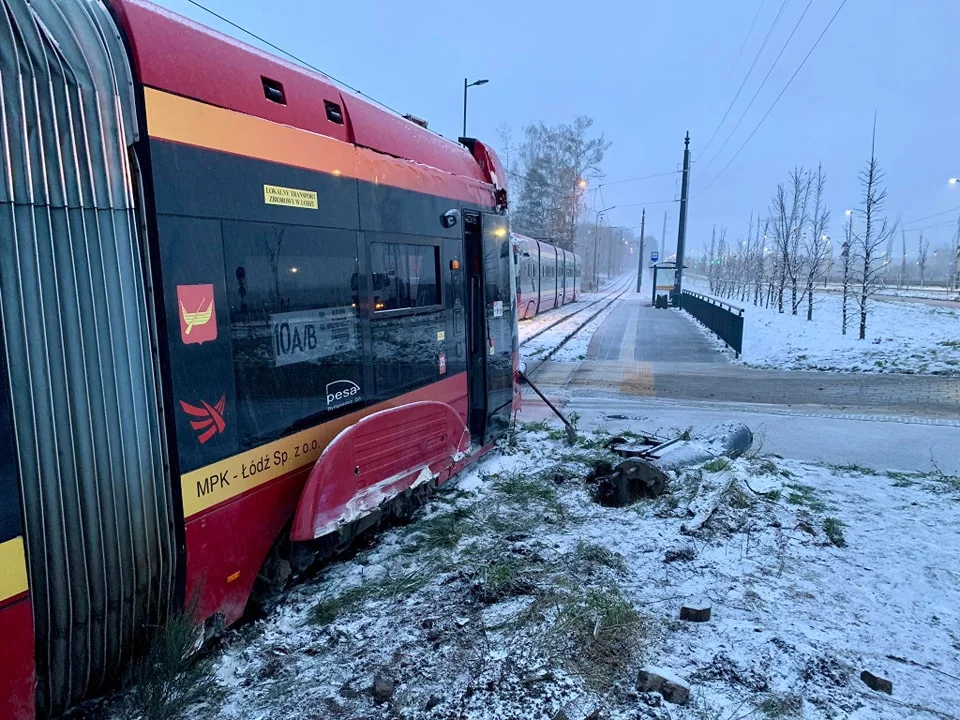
[[465, 86], [596, 246]]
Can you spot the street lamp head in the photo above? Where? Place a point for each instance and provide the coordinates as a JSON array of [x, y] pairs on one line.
[[582, 183], [478, 82], [848, 213], [953, 181]]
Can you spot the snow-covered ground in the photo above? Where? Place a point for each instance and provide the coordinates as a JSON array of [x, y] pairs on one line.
[[901, 337], [532, 348], [514, 595], [930, 293]]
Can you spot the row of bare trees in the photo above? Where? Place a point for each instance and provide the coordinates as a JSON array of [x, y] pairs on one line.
[[788, 254], [784, 255]]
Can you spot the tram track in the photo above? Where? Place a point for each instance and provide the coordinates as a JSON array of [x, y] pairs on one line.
[[607, 301], [620, 287]]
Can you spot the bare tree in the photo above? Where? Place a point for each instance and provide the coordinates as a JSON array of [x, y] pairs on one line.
[[816, 247], [845, 259], [903, 258], [955, 260], [888, 252], [507, 154], [790, 213], [874, 235], [923, 246]]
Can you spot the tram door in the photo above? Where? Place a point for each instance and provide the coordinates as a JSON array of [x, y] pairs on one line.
[[492, 323]]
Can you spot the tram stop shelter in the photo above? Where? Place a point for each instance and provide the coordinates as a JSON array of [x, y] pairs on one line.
[[664, 279]]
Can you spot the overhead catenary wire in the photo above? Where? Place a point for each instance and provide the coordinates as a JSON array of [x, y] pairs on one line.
[[763, 82], [780, 95], [937, 214], [746, 77], [743, 45]]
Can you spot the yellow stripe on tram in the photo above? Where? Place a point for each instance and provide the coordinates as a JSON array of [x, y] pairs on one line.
[[13, 568]]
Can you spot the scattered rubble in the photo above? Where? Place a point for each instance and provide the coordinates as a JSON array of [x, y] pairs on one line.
[[515, 595]]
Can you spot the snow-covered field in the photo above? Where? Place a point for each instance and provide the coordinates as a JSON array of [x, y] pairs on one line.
[[901, 337], [514, 595]]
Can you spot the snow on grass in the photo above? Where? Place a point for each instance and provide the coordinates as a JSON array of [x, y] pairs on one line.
[[513, 594], [901, 338]]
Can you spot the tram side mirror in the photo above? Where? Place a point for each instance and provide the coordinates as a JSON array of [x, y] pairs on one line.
[[450, 218]]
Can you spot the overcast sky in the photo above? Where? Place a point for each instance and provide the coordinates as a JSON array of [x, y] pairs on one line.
[[646, 72]]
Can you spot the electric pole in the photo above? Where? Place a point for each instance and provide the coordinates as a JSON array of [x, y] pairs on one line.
[[643, 218], [663, 235], [682, 230]]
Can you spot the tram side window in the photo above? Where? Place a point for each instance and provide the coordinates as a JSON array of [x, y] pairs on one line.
[[294, 325], [405, 275]]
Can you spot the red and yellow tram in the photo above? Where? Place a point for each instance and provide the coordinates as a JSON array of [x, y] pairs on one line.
[[243, 313]]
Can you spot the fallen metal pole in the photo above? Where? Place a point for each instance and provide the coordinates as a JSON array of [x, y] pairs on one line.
[[571, 431]]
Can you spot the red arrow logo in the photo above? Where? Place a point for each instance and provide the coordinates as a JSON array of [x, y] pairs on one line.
[[210, 420]]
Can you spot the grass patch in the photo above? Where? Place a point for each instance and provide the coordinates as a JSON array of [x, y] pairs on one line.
[[524, 489], [444, 532], [599, 631], [535, 426], [507, 576], [329, 609], [595, 554], [737, 497], [855, 468], [833, 529], [799, 494], [766, 466], [782, 706], [717, 465], [168, 679]]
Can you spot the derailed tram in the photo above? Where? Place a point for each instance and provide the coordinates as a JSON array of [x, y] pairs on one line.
[[243, 315]]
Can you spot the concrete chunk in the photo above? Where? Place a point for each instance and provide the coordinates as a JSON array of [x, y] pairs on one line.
[[672, 688], [695, 612], [877, 683]]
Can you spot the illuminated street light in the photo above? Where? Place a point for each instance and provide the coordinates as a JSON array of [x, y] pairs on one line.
[[582, 183], [848, 212], [953, 181]]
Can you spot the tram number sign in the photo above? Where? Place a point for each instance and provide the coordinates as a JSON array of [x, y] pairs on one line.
[[309, 335]]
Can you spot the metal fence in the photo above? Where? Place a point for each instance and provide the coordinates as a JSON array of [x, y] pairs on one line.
[[723, 319]]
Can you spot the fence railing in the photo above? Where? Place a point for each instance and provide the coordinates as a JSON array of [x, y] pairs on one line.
[[722, 318]]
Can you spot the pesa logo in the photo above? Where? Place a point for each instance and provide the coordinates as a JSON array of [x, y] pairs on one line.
[[342, 392]]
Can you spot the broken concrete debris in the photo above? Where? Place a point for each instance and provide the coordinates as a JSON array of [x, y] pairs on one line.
[[383, 687], [695, 612], [877, 683], [672, 688], [580, 708]]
